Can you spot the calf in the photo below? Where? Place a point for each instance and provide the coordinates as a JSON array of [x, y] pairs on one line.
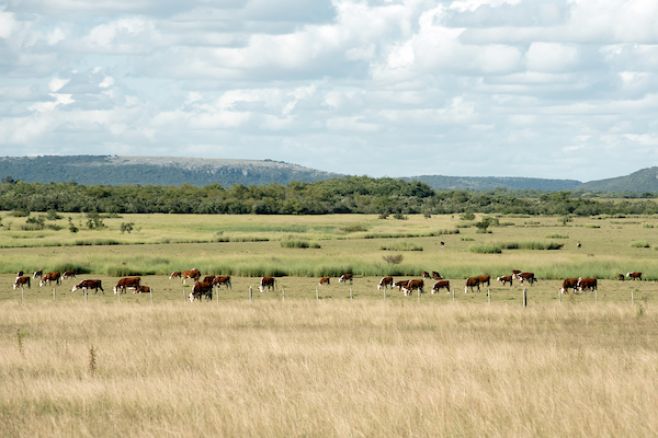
[[201, 289], [385, 282], [85, 285], [441, 284], [324, 281], [142, 289], [222, 280], [22, 281], [68, 274], [634, 275], [414, 284], [49, 278], [266, 282], [505, 279], [587, 283], [569, 283], [126, 283], [345, 278]]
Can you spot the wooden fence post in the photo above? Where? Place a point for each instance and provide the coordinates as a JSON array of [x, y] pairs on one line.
[[317, 294], [350, 293], [419, 295], [283, 291], [488, 296], [22, 295], [250, 294], [525, 297]]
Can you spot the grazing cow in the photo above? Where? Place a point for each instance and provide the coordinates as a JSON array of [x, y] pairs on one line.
[[515, 272], [345, 278], [442, 243], [126, 283], [472, 282], [634, 275], [400, 284], [484, 278], [49, 278], [569, 283], [85, 285], [68, 274], [505, 279], [526, 276], [414, 284], [37, 274], [587, 283], [208, 279], [441, 284], [222, 280], [324, 280], [266, 282], [175, 274], [621, 277], [385, 282], [425, 274], [142, 289], [193, 274], [22, 281], [201, 290], [436, 276]]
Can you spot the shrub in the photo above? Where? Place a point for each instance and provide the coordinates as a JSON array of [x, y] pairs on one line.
[[52, 215], [353, 228], [393, 259], [299, 244], [405, 246], [557, 236], [487, 249], [640, 244]]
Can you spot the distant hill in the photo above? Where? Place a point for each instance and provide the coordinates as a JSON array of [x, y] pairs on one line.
[[492, 182], [642, 181], [119, 170]]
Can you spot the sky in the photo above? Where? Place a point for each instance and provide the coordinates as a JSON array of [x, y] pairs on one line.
[[541, 88]]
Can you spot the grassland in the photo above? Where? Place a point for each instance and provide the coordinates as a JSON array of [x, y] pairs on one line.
[[288, 364]]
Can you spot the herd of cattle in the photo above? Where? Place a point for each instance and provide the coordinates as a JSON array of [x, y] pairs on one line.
[[204, 287]]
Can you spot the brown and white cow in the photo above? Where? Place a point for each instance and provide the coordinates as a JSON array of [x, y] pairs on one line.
[[266, 282], [37, 274], [142, 289], [385, 282], [436, 275], [208, 279], [400, 284], [425, 274], [345, 278], [634, 275], [324, 281], [200, 290], [222, 280], [515, 272], [175, 274], [126, 283], [50, 277], [441, 284], [505, 279], [569, 283], [22, 281], [527, 276], [193, 274], [68, 274], [587, 283], [85, 285], [413, 284], [472, 282]]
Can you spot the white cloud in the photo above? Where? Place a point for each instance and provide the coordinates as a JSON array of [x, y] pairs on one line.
[[551, 57], [7, 24]]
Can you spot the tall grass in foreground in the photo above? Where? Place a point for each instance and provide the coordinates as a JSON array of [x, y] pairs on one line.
[[328, 369]]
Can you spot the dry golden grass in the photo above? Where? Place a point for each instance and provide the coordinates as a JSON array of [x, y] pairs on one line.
[[333, 368]]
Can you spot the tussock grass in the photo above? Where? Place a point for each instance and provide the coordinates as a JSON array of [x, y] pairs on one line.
[[640, 244], [403, 246], [345, 368]]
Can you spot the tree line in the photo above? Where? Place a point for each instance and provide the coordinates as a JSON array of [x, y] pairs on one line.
[[341, 195]]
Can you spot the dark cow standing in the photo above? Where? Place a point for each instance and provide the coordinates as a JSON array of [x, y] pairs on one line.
[[37, 274], [441, 284], [587, 283], [142, 289], [425, 274], [436, 275], [49, 278], [68, 274], [505, 279], [569, 283], [345, 278], [385, 282], [634, 275], [222, 280], [324, 281], [476, 281], [266, 282], [414, 284], [85, 285], [201, 289], [621, 277], [127, 283], [526, 276], [22, 281]]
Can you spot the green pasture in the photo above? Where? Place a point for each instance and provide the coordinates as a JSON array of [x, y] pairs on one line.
[[250, 246]]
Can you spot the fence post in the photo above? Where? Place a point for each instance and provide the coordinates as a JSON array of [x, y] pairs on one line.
[[151, 297], [283, 290], [350, 293], [54, 293], [22, 297], [250, 294], [488, 296], [632, 297], [384, 293], [317, 294], [525, 297], [419, 295]]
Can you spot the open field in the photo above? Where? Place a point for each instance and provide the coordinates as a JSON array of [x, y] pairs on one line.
[[341, 368], [134, 365]]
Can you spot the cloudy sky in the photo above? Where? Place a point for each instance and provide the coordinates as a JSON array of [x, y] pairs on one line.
[[546, 88]]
